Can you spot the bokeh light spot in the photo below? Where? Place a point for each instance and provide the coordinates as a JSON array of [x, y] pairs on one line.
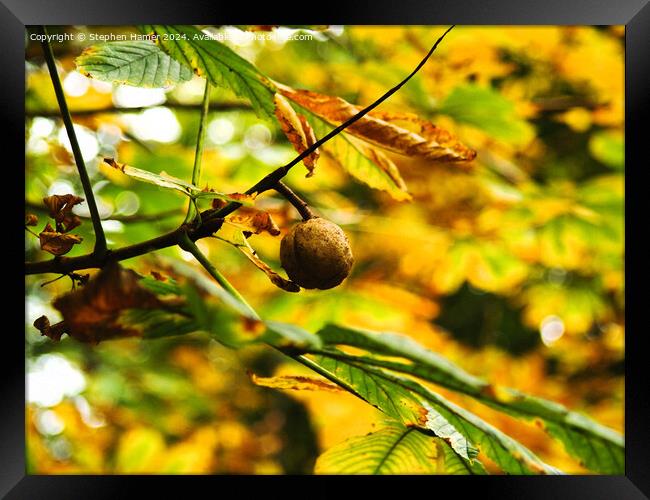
[[551, 329]]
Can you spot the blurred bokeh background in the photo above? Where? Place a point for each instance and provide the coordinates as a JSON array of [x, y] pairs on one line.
[[512, 269]]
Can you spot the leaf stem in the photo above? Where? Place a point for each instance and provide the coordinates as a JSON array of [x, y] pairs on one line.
[[193, 211], [220, 106], [299, 204], [188, 245], [32, 232], [205, 109], [100, 239], [271, 179], [211, 219]]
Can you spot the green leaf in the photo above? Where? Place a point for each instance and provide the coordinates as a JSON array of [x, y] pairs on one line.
[[403, 399], [348, 153], [190, 309], [599, 448], [488, 110], [285, 335], [187, 311], [161, 288], [456, 465], [209, 286], [436, 368], [394, 449], [200, 310], [173, 183], [216, 62], [137, 63], [608, 148], [156, 323]]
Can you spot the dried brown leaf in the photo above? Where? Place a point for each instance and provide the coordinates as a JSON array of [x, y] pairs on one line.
[[54, 331], [57, 243], [218, 203], [243, 246], [276, 279], [158, 276], [60, 209], [379, 129], [60, 202], [112, 163], [31, 220], [427, 130], [69, 222], [254, 221], [297, 130], [253, 326], [241, 197], [92, 312]]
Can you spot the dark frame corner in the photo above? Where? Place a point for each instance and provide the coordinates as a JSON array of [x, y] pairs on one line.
[[15, 15]]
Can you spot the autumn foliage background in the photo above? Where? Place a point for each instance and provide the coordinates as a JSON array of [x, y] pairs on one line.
[[512, 268]]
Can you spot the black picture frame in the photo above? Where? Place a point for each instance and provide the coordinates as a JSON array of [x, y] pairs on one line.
[[15, 15]]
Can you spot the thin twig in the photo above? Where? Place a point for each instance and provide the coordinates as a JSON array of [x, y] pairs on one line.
[[271, 179], [211, 220], [196, 171], [31, 232], [100, 239], [121, 218], [300, 204], [223, 106], [49, 282], [192, 210], [189, 246]]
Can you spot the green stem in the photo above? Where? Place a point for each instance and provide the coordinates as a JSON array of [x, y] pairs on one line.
[[198, 154], [196, 172], [100, 239], [270, 181], [32, 232], [189, 246], [212, 219]]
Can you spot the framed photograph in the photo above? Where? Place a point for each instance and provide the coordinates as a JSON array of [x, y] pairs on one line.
[[374, 246]]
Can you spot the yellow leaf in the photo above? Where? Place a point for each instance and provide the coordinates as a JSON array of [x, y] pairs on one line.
[[383, 162], [297, 130], [431, 143], [295, 383]]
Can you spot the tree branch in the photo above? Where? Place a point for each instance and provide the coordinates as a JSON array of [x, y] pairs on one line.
[[100, 239], [211, 219], [63, 265], [271, 179]]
